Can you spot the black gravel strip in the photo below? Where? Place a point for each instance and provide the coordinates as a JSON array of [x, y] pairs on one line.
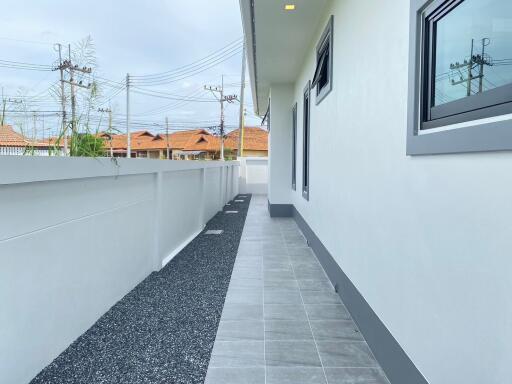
[[163, 331]]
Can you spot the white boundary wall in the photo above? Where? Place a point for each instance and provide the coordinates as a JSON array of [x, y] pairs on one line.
[[254, 175], [78, 234]]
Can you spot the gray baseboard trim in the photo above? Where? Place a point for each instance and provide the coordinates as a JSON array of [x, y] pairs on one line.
[[280, 210], [390, 355]]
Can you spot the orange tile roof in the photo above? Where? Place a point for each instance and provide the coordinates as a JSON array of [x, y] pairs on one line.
[[144, 140], [208, 143], [255, 139], [10, 138]]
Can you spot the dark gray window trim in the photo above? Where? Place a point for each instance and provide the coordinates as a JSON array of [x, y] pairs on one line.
[[294, 147], [327, 37], [481, 137], [306, 144]]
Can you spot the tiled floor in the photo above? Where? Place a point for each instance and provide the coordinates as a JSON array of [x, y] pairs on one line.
[[282, 322]]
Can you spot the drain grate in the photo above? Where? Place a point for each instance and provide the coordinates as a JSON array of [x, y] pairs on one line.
[[231, 212], [214, 232]]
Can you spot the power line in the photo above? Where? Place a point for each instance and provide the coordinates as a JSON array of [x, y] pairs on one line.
[[228, 47]]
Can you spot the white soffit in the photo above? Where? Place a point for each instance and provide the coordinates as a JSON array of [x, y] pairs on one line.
[[277, 41]]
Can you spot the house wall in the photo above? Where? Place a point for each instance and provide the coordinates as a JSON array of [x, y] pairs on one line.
[[78, 234], [425, 239], [254, 175], [280, 138], [252, 153]]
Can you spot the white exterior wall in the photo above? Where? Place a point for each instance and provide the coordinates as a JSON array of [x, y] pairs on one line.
[[254, 175], [280, 137], [76, 235], [427, 239]]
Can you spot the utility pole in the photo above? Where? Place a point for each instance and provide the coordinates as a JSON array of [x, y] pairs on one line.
[[34, 129], [167, 135], [109, 110], [63, 99], [222, 99], [475, 61], [68, 65], [73, 99], [129, 139], [4, 102], [242, 100]]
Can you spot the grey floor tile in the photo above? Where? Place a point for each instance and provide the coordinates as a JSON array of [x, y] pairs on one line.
[[249, 250], [282, 296], [291, 354], [248, 272], [300, 251], [309, 272], [277, 265], [287, 330], [295, 240], [285, 312], [315, 285], [281, 284], [295, 375], [240, 283], [237, 354], [320, 297], [304, 260], [346, 354], [244, 296], [355, 376], [279, 275], [339, 330], [235, 376], [242, 312], [271, 256], [240, 330], [327, 312], [276, 248], [250, 262]]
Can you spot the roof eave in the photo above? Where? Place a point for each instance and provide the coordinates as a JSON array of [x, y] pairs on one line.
[[247, 12]]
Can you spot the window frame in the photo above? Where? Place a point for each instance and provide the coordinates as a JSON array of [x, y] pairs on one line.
[[326, 38], [306, 144], [473, 124], [294, 146]]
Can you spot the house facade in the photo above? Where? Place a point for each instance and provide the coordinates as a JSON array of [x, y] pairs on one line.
[[14, 143], [196, 144], [386, 119]]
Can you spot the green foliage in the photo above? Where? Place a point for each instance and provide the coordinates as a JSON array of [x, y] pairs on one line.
[[87, 145], [229, 154]]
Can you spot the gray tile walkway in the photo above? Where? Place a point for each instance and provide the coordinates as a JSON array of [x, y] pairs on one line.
[[282, 322]]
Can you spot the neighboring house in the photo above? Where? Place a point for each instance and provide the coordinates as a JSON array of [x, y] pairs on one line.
[[196, 144], [385, 121], [14, 143], [255, 141]]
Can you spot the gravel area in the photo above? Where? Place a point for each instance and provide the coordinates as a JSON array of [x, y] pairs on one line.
[[163, 331]]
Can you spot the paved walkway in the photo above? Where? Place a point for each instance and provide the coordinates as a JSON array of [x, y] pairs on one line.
[[282, 322]]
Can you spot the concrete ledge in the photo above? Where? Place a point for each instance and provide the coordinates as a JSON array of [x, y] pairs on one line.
[[29, 169], [280, 210], [392, 358]]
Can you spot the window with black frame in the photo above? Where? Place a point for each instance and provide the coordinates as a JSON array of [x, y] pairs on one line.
[[305, 140], [467, 61], [294, 147], [322, 79]]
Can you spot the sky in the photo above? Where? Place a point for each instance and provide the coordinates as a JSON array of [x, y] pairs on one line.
[[140, 38], [473, 21]]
